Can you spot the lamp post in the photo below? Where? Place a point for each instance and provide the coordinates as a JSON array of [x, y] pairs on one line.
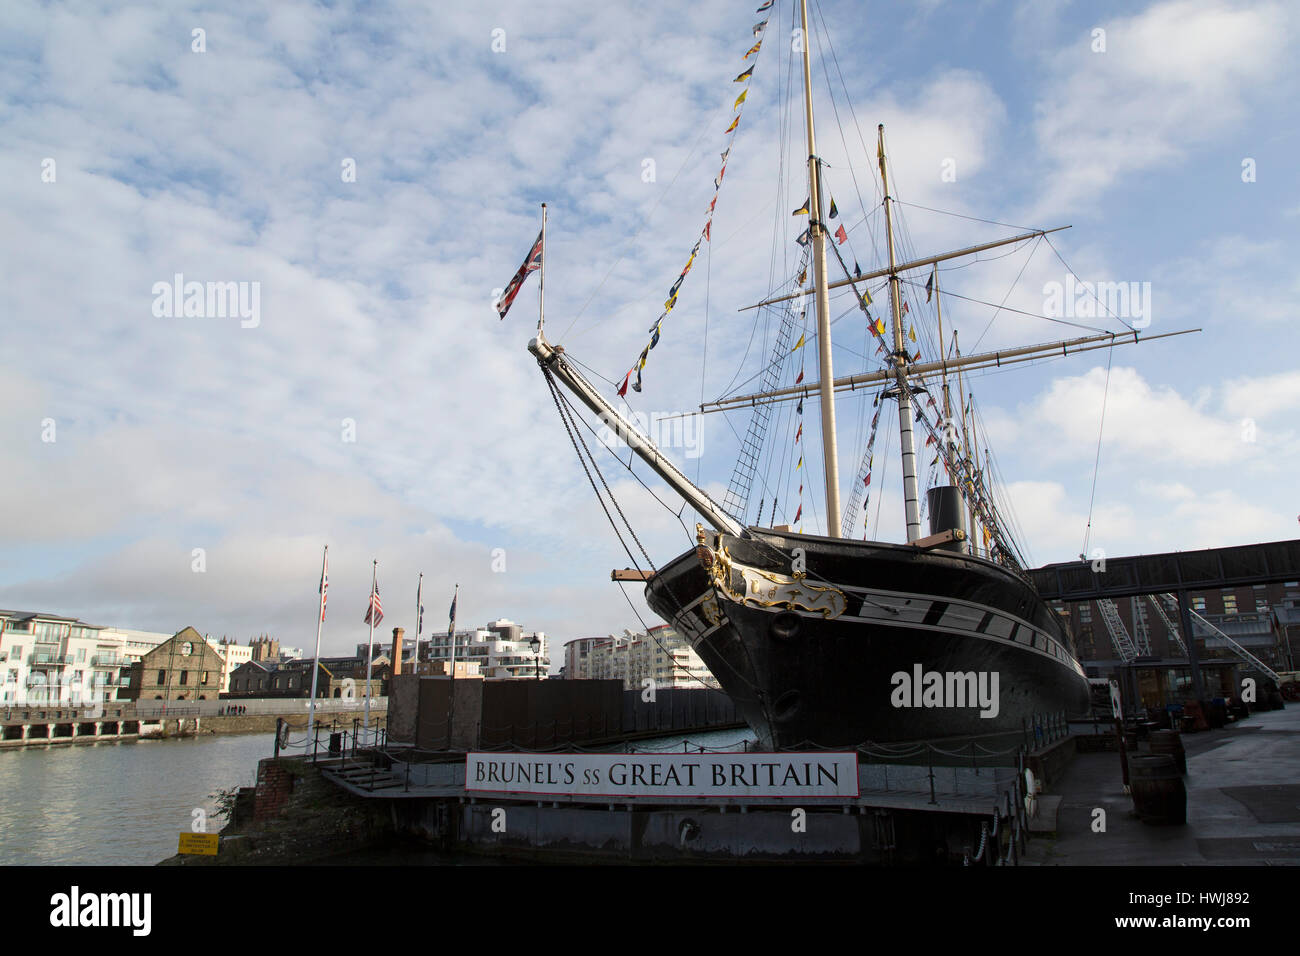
[[536, 645]]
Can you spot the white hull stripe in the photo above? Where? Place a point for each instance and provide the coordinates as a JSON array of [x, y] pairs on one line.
[[923, 612]]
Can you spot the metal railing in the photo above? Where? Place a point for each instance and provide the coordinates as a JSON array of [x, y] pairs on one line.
[[1040, 730], [257, 706]]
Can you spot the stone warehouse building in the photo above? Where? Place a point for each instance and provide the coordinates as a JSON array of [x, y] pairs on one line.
[[338, 677], [186, 667]]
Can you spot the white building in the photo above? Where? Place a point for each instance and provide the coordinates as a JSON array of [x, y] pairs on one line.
[[51, 659], [660, 654], [232, 655], [501, 649]]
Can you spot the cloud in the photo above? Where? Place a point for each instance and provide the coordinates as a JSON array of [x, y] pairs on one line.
[[1252, 280], [1263, 396], [1142, 422], [1172, 77], [183, 433]]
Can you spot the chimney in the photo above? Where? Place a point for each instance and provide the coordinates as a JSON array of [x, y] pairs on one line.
[[397, 649]]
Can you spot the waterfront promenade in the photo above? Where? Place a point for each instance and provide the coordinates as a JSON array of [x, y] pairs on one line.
[[50, 724], [1243, 804]]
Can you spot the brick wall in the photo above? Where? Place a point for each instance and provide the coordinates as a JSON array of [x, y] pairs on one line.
[[274, 785]]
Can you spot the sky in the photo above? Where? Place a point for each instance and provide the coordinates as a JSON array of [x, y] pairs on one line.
[[369, 176]]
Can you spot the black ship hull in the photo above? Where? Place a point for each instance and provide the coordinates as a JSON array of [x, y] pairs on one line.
[[857, 643]]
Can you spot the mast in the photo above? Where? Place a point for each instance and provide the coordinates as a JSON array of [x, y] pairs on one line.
[[830, 454], [914, 264], [552, 361], [969, 493], [907, 445], [922, 370], [979, 485], [947, 399]]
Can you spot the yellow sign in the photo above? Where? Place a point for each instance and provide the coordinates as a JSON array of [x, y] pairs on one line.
[[200, 844]]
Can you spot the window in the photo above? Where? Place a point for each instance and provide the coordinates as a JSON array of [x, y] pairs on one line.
[[81, 655], [205, 677], [185, 678], [187, 649], [162, 677], [1230, 604], [1198, 605]]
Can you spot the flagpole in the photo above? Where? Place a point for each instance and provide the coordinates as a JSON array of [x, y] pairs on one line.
[[370, 651], [541, 296], [320, 620], [451, 630], [451, 693], [419, 623]]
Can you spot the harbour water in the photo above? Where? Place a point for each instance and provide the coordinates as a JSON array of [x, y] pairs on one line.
[[116, 804], [124, 804]]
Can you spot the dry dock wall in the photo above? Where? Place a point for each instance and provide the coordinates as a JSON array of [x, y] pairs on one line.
[[543, 714], [523, 831]]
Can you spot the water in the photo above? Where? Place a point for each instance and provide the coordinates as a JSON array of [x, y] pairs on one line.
[[116, 804], [124, 804]]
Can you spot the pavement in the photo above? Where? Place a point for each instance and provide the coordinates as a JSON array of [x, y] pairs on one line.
[[1243, 804]]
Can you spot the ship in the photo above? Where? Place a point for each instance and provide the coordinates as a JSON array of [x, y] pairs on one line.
[[823, 641]]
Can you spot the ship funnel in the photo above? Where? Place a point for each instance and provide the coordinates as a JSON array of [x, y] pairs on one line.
[[947, 513]]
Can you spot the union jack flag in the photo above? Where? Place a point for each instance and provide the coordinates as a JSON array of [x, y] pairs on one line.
[[531, 264]]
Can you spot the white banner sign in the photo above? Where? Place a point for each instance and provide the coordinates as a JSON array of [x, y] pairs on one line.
[[664, 775]]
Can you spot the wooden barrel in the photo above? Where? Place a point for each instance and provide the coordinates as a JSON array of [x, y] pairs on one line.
[[1158, 792], [1169, 743], [1217, 713], [1192, 711]]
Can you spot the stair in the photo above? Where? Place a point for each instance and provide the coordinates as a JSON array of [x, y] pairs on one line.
[[365, 776]]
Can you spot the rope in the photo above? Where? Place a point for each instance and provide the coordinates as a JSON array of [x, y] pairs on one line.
[[1096, 463], [574, 440]]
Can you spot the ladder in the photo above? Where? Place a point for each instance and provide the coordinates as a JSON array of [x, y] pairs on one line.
[[740, 487], [1141, 631], [1175, 633], [1246, 656], [1118, 633]]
